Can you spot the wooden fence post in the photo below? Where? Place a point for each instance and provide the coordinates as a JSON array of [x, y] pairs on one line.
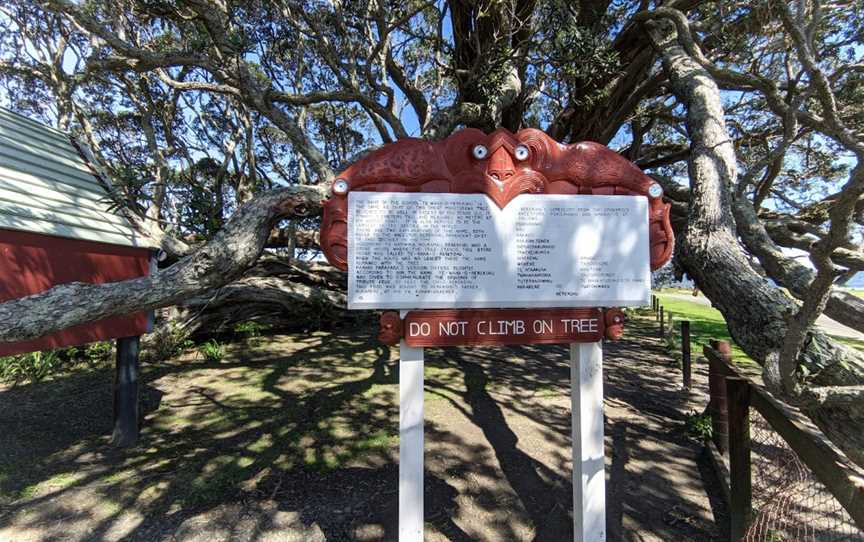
[[717, 406], [662, 324], [685, 352], [741, 496], [126, 409]]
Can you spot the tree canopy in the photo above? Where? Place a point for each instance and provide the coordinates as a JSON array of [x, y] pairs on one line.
[[221, 125]]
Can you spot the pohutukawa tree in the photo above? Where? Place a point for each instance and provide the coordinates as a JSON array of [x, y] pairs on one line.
[[220, 125]]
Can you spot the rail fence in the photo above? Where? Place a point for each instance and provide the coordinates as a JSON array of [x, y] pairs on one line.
[[782, 479]]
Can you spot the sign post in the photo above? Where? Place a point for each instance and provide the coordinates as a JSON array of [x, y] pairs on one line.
[[589, 478], [499, 239], [410, 442]]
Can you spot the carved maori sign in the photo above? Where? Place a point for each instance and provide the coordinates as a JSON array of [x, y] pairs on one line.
[[502, 166]]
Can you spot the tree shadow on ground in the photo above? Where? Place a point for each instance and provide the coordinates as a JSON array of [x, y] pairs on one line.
[[215, 433], [298, 436]]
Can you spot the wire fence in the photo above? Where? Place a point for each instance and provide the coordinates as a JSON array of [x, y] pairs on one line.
[[789, 503], [786, 502]]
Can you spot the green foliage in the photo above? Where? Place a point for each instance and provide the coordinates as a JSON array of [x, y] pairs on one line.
[[251, 329], [31, 367], [212, 351], [97, 354], [585, 60], [664, 277], [36, 366], [168, 341], [699, 425]]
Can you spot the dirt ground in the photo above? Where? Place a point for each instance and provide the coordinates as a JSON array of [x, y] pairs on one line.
[[295, 438]]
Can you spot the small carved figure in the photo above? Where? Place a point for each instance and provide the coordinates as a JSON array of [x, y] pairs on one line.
[[614, 324], [391, 328]]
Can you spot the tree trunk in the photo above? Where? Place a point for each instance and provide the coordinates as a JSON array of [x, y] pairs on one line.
[[755, 312], [753, 230]]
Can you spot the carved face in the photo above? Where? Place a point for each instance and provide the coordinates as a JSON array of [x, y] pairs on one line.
[[501, 165]]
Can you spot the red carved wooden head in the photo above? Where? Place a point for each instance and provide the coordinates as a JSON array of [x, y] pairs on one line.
[[614, 324], [501, 165], [391, 328]]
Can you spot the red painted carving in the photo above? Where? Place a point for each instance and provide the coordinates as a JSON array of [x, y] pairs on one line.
[[614, 324], [501, 165], [391, 328]]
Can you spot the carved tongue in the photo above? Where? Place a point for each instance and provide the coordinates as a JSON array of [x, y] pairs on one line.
[[497, 182]]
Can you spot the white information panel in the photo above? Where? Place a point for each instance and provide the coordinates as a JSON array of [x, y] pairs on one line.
[[433, 251]]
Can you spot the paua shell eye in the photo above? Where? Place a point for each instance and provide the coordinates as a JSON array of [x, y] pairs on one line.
[[521, 153], [480, 152], [340, 186]]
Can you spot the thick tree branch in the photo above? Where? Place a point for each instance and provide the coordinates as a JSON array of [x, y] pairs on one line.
[[415, 96], [446, 120], [829, 396]]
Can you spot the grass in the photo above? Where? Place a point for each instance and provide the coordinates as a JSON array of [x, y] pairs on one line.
[[707, 323], [57, 482], [856, 291]]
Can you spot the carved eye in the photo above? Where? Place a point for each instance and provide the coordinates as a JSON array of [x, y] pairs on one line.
[[655, 190], [479, 152], [521, 153], [340, 186]]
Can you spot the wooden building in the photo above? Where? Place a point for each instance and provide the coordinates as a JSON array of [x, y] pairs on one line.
[[56, 227]]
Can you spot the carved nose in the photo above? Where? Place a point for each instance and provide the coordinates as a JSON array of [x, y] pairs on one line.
[[501, 165], [501, 174]]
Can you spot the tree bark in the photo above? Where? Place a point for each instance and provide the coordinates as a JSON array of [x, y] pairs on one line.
[[753, 230], [842, 306], [277, 293]]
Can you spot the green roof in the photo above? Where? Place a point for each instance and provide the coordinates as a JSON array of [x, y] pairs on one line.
[[47, 187]]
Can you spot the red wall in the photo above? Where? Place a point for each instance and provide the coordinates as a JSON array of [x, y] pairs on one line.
[[31, 263]]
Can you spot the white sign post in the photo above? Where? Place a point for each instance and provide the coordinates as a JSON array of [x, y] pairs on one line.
[[429, 251], [410, 443], [589, 475]]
